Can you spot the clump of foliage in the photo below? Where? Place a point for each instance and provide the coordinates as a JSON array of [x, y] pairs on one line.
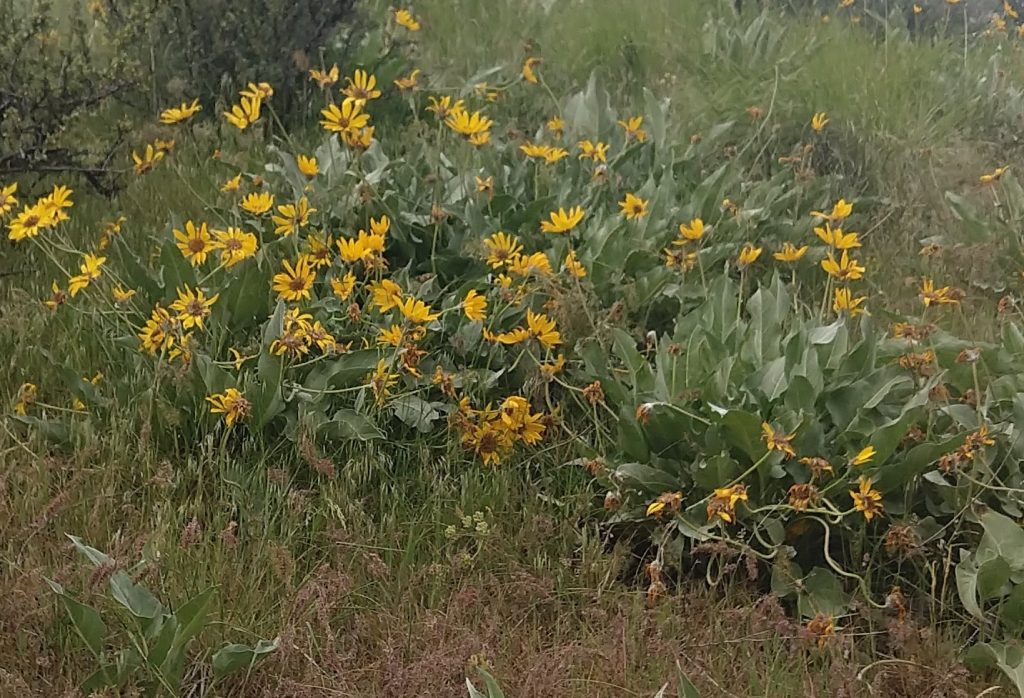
[[506, 279], [55, 76]]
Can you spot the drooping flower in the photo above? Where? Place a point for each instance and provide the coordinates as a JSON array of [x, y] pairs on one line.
[[159, 332], [528, 72], [633, 207], [295, 282], [556, 125], [381, 380], [819, 121], [561, 221], [183, 112], [748, 255], [573, 265], [939, 296], [232, 184], [863, 456], [474, 306], [27, 394], [122, 295], [405, 19], [194, 242], [778, 440], [325, 78], [722, 504], [235, 245], [692, 232], [790, 253], [232, 404], [409, 82], [245, 113], [840, 211], [994, 176], [846, 269], [254, 90]]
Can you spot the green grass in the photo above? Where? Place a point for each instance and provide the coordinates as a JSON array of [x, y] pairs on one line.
[[356, 572]]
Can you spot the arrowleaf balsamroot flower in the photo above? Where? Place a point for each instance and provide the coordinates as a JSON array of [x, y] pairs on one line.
[[295, 282], [362, 86], [466, 124], [122, 295], [573, 265], [502, 248], [866, 499], [845, 303], [632, 129], [474, 306], [346, 119], [528, 72], [443, 107], [598, 152], [343, 287], [258, 203], [561, 221], [307, 165], [692, 232], [543, 328], [193, 307], [994, 176], [147, 161], [840, 211], [194, 242], [863, 456], [245, 113], [819, 121], [790, 253], [722, 504], [90, 271], [778, 440], [325, 78], [748, 255], [846, 269], [940, 296], [232, 404], [292, 217], [405, 19], [235, 245], [183, 112], [415, 310], [409, 82], [836, 238], [7, 198], [633, 207]]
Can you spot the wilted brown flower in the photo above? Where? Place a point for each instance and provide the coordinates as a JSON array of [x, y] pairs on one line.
[[643, 412], [594, 393], [900, 539], [818, 466], [803, 496]]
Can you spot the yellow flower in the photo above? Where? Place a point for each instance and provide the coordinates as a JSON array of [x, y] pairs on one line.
[[790, 253], [845, 302], [819, 121], [29, 223], [836, 238], [692, 232], [409, 82], [598, 152], [466, 124], [536, 263], [864, 456], [90, 271], [485, 185], [121, 295], [748, 255], [344, 286], [232, 404], [183, 112], [632, 129], [261, 90], [404, 18], [678, 258], [940, 296], [474, 306], [258, 203], [723, 502], [193, 307], [561, 221], [325, 78], [391, 336], [319, 250], [27, 394], [292, 217], [573, 265], [543, 328], [232, 184], [361, 248], [840, 211], [235, 245], [295, 282], [53, 205], [501, 249], [380, 227], [519, 334], [147, 161], [917, 9], [846, 269], [7, 199], [360, 138], [417, 311], [778, 440], [994, 176], [528, 69], [444, 106], [381, 381], [633, 207], [385, 295], [194, 242], [245, 113], [159, 332], [307, 165], [866, 499], [362, 87], [556, 125], [348, 118]]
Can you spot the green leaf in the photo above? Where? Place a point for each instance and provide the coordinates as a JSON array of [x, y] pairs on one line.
[[685, 687], [646, 478], [771, 379], [231, 658], [744, 432], [1004, 537], [135, 597], [415, 412], [966, 574], [191, 619], [822, 593], [348, 424], [1009, 658], [85, 619]]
